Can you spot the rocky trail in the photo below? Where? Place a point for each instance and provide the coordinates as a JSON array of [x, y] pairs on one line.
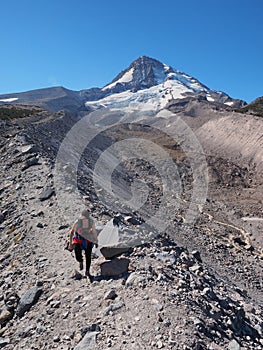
[[189, 288]]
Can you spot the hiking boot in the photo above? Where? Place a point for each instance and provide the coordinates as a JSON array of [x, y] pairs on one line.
[[81, 265], [91, 278]]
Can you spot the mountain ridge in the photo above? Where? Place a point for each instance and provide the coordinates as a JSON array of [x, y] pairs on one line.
[[142, 74]]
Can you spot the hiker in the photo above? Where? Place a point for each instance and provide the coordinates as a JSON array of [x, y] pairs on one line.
[[83, 236]]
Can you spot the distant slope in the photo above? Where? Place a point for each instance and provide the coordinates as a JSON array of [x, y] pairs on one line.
[[53, 98], [255, 107], [234, 136]]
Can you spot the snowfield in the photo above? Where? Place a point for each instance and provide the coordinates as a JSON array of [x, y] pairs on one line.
[[9, 99], [154, 98]]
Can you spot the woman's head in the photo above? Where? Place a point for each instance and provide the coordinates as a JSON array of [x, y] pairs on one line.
[[85, 213]]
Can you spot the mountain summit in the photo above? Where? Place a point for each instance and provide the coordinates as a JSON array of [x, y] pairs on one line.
[[149, 85], [146, 72]]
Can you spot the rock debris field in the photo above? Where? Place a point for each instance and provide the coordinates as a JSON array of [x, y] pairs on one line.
[[197, 288]]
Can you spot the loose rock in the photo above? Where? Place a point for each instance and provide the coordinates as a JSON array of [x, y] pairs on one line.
[[114, 267], [46, 194], [28, 299], [88, 342]]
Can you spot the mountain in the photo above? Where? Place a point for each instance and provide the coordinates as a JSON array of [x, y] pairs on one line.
[[192, 287], [177, 284], [146, 72], [146, 84], [53, 99]]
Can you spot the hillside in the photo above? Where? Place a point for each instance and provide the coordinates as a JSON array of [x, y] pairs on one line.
[[177, 168], [255, 107], [194, 286]]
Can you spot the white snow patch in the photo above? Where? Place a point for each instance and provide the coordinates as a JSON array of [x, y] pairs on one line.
[[154, 98], [166, 67], [126, 78], [209, 98], [9, 99], [229, 103]]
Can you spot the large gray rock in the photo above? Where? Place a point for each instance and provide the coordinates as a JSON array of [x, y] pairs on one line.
[[30, 297], [114, 267], [88, 342], [112, 252]]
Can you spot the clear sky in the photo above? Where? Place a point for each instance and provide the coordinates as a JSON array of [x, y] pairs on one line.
[[80, 44]]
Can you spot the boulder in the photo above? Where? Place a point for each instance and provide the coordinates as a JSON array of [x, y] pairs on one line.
[[196, 254], [114, 267], [30, 297], [114, 307], [112, 252]]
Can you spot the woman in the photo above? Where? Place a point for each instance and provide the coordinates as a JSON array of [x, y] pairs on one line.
[[82, 237]]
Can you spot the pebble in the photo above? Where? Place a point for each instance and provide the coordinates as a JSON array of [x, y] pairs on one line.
[[111, 294], [4, 342], [233, 345], [56, 339], [159, 307], [159, 344]]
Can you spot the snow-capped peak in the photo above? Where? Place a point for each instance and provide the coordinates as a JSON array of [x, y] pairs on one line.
[[146, 72], [146, 84]]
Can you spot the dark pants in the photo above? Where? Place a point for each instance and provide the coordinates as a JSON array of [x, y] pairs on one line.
[[78, 254]]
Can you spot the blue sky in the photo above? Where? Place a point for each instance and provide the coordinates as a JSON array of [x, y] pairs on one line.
[[80, 44]]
